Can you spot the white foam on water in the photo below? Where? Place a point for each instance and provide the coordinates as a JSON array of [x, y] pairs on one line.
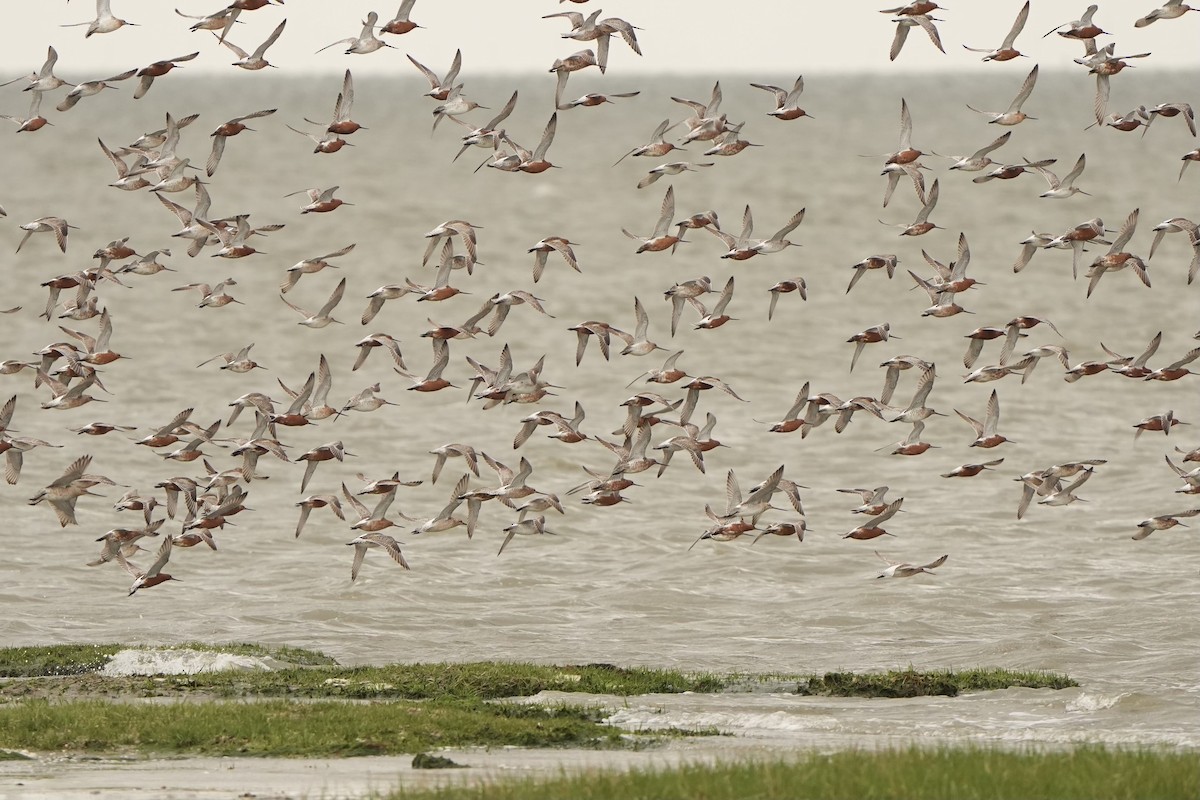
[[180, 662], [1088, 701], [745, 724]]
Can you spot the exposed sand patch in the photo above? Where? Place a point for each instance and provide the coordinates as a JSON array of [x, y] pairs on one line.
[[84, 778]]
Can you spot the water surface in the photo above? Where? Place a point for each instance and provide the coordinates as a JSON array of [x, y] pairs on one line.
[[1064, 589]]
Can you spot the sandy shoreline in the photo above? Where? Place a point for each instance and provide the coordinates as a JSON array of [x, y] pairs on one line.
[[87, 777]]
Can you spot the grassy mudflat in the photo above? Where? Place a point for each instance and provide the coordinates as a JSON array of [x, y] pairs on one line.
[[54, 699], [946, 774], [315, 675], [484, 681], [62, 659], [913, 683], [76, 659], [287, 728]]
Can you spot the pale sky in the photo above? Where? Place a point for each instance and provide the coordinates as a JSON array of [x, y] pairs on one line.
[[771, 38]]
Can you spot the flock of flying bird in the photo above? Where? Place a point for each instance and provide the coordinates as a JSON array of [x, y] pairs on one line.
[[200, 504]]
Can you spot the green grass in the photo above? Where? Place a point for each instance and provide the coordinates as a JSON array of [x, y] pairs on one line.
[[61, 659], [913, 683], [1087, 773], [283, 728]]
